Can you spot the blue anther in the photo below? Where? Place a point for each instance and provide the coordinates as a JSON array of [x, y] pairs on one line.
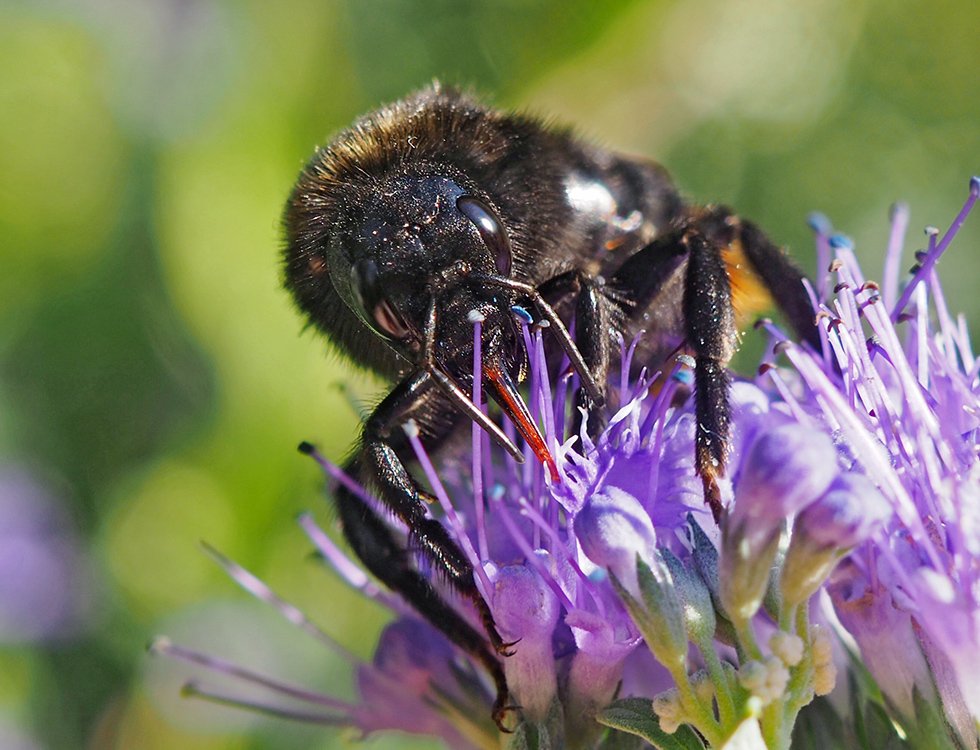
[[523, 314]]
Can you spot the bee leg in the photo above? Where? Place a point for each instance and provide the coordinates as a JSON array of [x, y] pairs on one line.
[[373, 542], [381, 466], [646, 278], [593, 338], [709, 321], [384, 452]]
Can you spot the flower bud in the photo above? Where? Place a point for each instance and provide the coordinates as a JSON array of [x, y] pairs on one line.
[[596, 670], [824, 669], [396, 688], [788, 647], [844, 516], [667, 707], [703, 687], [886, 637], [786, 469], [766, 680], [414, 653], [841, 518], [526, 610], [614, 529]]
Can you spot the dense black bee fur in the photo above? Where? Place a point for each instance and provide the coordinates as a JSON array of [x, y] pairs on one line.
[[435, 206]]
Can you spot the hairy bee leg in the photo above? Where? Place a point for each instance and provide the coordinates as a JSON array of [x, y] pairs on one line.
[[711, 325], [385, 449], [645, 274], [593, 320], [709, 329], [373, 542]]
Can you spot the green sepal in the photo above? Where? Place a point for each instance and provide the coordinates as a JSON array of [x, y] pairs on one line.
[[695, 599], [930, 731], [705, 557], [661, 636], [818, 727], [664, 610], [546, 735]]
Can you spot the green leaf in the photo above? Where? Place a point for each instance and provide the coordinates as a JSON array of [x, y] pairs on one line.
[[525, 737], [636, 716], [616, 740], [873, 729]]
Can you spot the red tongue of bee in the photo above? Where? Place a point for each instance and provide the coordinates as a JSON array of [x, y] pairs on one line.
[[506, 395]]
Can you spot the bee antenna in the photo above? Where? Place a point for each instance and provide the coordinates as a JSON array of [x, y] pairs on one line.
[[560, 330], [456, 395], [463, 402]]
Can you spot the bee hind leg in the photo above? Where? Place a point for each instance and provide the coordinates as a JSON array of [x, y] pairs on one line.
[[701, 243], [709, 321], [782, 278]]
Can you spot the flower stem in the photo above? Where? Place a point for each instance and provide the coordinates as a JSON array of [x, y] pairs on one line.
[[700, 715], [746, 639], [800, 688], [723, 693]]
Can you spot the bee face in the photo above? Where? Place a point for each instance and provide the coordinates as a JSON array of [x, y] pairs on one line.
[[409, 253]]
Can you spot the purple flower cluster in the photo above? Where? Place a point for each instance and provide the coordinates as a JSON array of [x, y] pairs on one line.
[[865, 452], [909, 413]]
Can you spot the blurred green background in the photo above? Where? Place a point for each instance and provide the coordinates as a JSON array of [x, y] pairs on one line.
[[155, 380]]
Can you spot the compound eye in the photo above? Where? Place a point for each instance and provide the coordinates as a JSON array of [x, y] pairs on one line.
[[377, 310], [490, 228]]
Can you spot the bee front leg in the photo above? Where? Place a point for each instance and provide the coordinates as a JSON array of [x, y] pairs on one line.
[[593, 307], [594, 321], [374, 543], [380, 466], [384, 452]]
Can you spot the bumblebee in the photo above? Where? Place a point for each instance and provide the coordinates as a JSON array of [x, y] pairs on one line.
[[437, 208]]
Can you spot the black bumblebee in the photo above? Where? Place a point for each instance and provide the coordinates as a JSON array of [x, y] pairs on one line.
[[435, 207]]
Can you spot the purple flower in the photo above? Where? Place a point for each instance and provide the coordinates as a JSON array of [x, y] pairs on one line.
[[844, 516], [396, 689], [884, 631], [613, 529], [526, 612], [865, 452]]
